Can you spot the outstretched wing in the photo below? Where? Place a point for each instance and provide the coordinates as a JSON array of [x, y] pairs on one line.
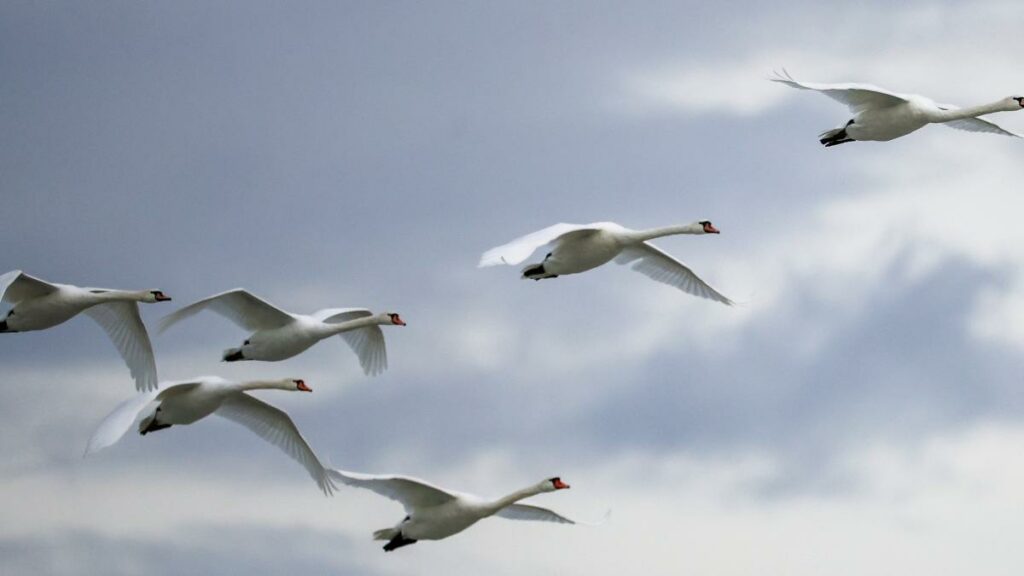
[[857, 97], [121, 418], [122, 323], [660, 267], [410, 492], [979, 125], [16, 286], [275, 426], [536, 513], [239, 306], [367, 342], [520, 249]]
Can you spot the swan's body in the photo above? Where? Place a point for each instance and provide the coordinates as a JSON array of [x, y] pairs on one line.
[[433, 513], [581, 247], [185, 402], [881, 115], [278, 335], [39, 305]]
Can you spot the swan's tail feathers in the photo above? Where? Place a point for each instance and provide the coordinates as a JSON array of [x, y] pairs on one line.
[[386, 534], [835, 136], [117, 423], [536, 272]]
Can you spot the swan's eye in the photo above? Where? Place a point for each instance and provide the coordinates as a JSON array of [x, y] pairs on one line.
[[246, 343]]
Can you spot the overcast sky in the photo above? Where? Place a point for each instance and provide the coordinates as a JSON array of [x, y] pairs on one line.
[[860, 412]]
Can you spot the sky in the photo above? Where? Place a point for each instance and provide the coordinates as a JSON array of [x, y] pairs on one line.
[[858, 412]]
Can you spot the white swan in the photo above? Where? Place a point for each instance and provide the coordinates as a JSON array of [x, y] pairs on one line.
[[277, 335], [187, 401], [580, 247], [39, 305], [433, 513], [881, 115]]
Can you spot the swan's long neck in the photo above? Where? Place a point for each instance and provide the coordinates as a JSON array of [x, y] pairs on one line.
[[972, 112], [494, 506], [644, 235], [264, 385], [332, 329], [121, 295]]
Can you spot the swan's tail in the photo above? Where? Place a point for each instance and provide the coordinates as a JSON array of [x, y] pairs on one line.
[[385, 534]]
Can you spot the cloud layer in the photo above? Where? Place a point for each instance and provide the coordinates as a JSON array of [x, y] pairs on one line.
[[857, 413]]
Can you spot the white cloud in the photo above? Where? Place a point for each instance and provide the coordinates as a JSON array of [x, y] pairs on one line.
[[946, 503], [959, 54]]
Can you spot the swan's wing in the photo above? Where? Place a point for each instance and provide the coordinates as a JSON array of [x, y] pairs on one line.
[[536, 513], [410, 492], [976, 124], [275, 426], [367, 342], [857, 97], [520, 249], [660, 267], [16, 286], [122, 323], [239, 306], [528, 512], [121, 418]]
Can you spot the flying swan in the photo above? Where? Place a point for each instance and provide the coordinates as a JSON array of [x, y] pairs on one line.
[[581, 247], [881, 115], [433, 513], [39, 305], [187, 401], [277, 335]]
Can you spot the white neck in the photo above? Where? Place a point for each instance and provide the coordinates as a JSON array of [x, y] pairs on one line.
[[972, 112], [286, 384], [122, 295], [644, 235], [494, 506]]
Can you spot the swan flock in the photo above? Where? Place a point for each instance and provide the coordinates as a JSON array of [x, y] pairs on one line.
[[276, 335]]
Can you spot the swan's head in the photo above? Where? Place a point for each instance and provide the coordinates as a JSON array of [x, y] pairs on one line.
[[299, 385], [1011, 103], [392, 318], [708, 227], [552, 484], [156, 296]]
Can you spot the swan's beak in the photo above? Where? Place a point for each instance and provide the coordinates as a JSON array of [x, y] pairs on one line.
[[301, 385], [709, 229], [162, 298], [559, 485]]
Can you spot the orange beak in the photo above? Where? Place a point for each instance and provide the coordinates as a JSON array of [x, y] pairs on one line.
[[301, 385], [559, 485], [163, 297], [709, 229], [398, 320]]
